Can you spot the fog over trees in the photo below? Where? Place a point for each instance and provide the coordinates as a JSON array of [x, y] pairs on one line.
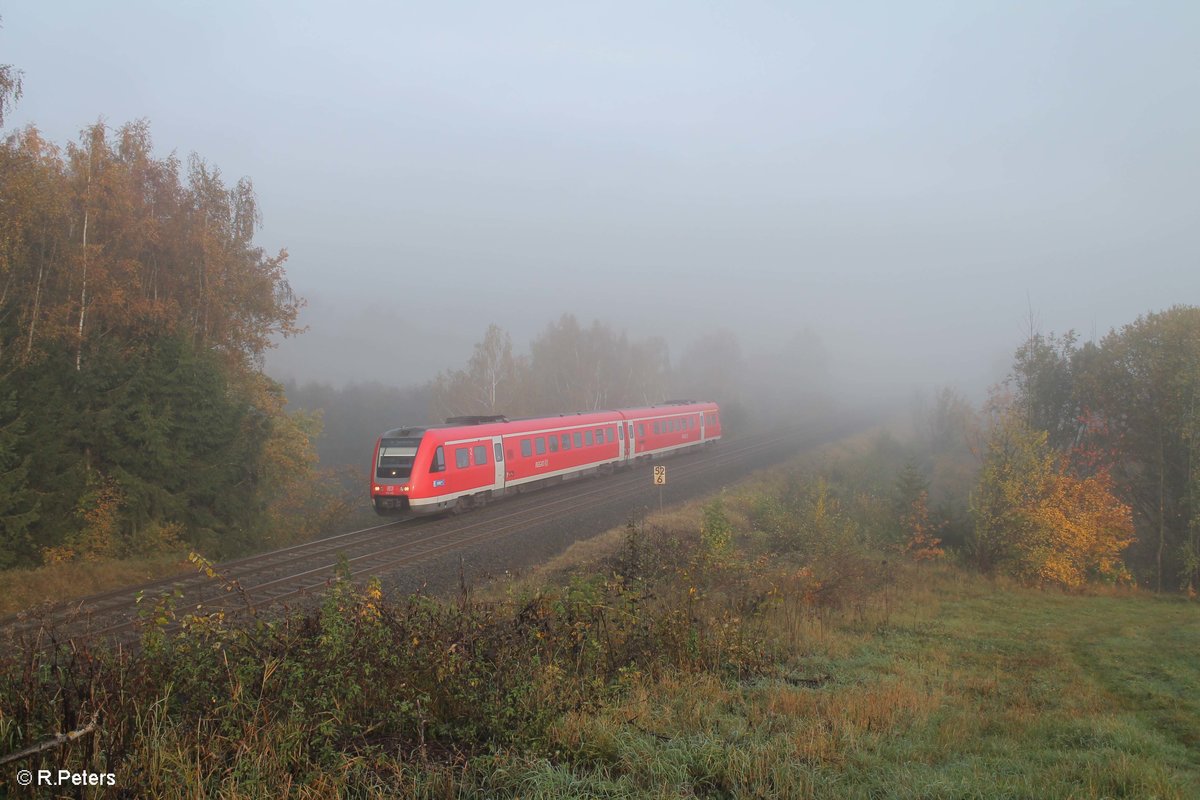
[[937, 262], [902, 180], [785, 211]]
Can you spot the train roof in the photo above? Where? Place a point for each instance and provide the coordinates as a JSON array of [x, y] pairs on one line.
[[498, 424], [670, 407]]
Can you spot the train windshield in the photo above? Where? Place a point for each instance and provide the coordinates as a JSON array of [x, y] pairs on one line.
[[396, 457]]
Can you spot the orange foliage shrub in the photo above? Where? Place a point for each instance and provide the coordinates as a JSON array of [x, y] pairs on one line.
[[1039, 519], [1078, 527]]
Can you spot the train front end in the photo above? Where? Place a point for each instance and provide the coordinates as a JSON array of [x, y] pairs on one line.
[[393, 469]]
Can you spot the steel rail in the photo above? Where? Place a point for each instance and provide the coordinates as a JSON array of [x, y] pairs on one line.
[[447, 532]]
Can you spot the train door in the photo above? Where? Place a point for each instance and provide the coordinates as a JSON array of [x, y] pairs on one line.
[[629, 448], [703, 417], [498, 458]]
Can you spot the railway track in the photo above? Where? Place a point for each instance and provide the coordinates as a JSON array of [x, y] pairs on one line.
[[255, 583]]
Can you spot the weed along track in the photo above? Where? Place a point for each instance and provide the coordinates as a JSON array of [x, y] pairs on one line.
[[255, 583], [766, 640]]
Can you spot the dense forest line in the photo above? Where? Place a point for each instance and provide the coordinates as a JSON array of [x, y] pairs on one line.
[[1120, 411], [1081, 465], [135, 307]]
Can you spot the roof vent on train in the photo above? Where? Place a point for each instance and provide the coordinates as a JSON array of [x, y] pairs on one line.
[[404, 431], [678, 402], [476, 420]]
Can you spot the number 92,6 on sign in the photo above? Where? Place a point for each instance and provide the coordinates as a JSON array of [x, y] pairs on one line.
[[660, 475]]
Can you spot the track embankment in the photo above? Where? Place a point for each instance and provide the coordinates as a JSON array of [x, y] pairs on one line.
[[431, 555]]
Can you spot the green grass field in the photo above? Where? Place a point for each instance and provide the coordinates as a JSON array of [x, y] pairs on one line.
[[954, 687]]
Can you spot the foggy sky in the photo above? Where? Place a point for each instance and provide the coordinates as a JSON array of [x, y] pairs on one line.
[[905, 179]]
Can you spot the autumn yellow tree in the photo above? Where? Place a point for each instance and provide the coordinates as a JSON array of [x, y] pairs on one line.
[[1038, 520], [1077, 529]]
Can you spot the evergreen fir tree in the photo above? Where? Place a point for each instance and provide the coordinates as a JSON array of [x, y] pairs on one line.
[[18, 503]]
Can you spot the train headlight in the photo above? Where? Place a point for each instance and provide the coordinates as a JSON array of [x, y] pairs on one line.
[[404, 488], [379, 488]]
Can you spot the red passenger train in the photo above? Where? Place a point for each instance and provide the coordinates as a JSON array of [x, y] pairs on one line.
[[471, 460]]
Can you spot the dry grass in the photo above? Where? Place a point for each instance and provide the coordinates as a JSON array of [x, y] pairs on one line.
[[963, 688]]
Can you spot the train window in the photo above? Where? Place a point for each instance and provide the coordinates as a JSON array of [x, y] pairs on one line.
[[566, 439], [587, 438], [526, 448], [641, 430], [578, 439], [499, 454], [656, 427], [620, 431], [396, 457], [439, 461], [539, 445], [462, 457], [599, 435], [552, 441], [480, 455], [608, 434]]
